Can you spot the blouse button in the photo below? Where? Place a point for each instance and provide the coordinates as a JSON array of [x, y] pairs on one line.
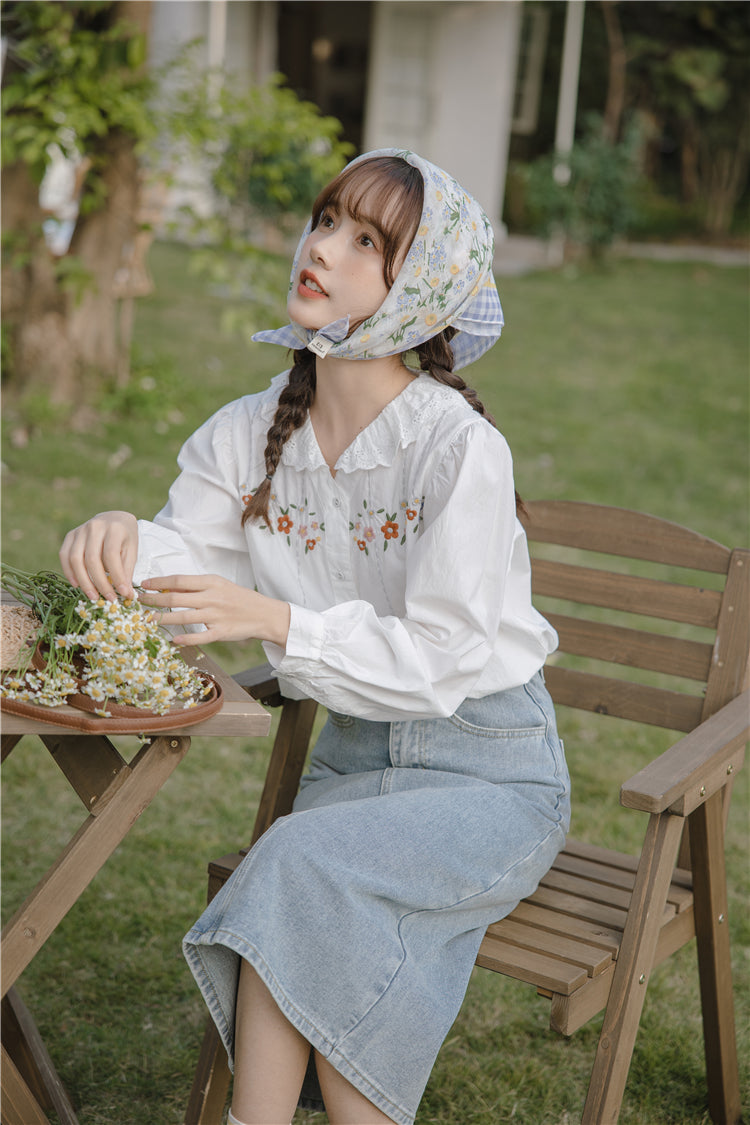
[[336, 502]]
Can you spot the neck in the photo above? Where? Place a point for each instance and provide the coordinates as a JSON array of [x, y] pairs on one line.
[[349, 395]]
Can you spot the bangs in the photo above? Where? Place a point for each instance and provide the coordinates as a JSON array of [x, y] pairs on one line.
[[385, 192]]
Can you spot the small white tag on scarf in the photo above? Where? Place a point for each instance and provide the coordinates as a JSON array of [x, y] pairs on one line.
[[321, 345]]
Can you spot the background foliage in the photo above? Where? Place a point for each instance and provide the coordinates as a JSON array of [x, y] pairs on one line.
[[680, 71], [75, 76], [589, 196]]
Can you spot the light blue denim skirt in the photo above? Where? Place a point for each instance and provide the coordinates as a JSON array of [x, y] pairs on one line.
[[363, 910]]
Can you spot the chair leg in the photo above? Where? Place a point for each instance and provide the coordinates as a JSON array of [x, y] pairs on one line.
[[714, 961], [633, 968], [211, 1083]]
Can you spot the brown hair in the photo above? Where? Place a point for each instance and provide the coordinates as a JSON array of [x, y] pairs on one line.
[[400, 194], [436, 358]]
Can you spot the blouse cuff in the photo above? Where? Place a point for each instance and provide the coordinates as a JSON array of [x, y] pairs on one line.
[[305, 639]]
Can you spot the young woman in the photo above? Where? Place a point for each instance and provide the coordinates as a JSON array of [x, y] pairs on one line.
[[359, 517]]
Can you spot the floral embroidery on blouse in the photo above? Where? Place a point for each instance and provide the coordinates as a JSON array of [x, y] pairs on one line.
[[392, 526], [295, 521]]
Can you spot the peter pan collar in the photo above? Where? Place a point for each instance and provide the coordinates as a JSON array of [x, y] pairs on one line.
[[398, 425]]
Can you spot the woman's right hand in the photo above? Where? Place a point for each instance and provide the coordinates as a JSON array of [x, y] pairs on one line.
[[99, 556]]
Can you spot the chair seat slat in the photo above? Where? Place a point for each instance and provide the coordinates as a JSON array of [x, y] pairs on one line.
[[569, 926], [593, 872], [611, 858], [612, 917], [527, 965], [589, 957], [584, 888]]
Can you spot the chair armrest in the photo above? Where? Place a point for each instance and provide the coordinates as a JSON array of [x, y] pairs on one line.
[[261, 683], [693, 769]]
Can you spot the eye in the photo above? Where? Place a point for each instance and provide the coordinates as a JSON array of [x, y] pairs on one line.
[[326, 220], [367, 241]]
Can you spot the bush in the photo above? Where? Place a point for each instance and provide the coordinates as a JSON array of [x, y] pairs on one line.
[[264, 154], [588, 197]]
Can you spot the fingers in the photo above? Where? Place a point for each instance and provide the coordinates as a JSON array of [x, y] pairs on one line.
[[99, 556], [205, 637], [200, 599], [176, 590], [184, 596], [227, 611], [187, 583]]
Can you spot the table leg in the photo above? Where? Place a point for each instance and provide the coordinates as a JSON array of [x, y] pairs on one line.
[[19, 1106], [86, 853], [8, 742], [24, 1045]]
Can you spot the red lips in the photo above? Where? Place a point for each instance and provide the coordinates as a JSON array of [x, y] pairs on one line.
[[304, 288]]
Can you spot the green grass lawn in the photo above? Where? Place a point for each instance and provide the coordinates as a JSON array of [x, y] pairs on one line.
[[625, 386]]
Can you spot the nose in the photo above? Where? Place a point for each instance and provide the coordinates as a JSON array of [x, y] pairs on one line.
[[324, 246]]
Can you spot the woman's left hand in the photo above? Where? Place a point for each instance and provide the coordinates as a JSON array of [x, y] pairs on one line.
[[229, 612]]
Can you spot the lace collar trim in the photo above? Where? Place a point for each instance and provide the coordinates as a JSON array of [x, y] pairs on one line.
[[399, 424]]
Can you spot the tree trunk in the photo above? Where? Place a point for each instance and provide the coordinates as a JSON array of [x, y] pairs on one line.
[[101, 241], [618, 59], [724, 179], [689, 170], [34, 306]]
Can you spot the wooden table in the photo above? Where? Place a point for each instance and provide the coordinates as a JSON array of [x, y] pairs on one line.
[[114, 792]]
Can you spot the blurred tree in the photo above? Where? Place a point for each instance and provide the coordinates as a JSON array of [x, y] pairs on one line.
[[689, 69], [265, 155], [77, 94], [73, 78], [617, 80]]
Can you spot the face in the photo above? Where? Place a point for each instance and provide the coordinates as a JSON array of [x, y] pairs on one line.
[[340, 271]]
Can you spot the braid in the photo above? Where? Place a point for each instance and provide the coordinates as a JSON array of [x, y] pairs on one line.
[[294, 403], [436, 358]]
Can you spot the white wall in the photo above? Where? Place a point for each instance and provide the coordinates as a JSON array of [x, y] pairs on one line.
[[441, 81]]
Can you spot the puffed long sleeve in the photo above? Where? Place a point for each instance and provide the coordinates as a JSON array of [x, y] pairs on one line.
[[199, 529]]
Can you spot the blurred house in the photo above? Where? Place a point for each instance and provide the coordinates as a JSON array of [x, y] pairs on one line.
[[451, 79]]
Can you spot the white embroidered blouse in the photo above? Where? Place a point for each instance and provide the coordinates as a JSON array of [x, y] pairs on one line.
[[407, 573]]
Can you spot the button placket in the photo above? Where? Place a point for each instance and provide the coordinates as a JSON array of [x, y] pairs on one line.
[[337, 534]]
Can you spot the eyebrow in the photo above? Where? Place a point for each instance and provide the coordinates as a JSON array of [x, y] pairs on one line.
[[357, 215]]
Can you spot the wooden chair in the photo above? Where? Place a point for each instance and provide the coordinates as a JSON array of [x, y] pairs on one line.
[[590, 935]]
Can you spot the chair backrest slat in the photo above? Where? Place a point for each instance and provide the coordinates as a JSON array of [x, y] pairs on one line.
[[633, 647], [627, 592], [652, 608], [616, 531], [640, 702]]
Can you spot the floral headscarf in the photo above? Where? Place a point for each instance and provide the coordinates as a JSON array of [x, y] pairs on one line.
[[446, 279]]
